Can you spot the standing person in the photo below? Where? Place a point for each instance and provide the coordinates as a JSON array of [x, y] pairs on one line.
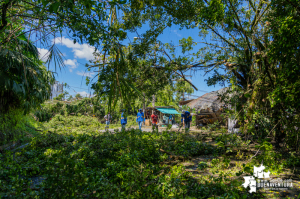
[[107, 119], [123, 120], [170, 119], [140, 118], [165, 119], [154, 117], [182, 117], [187, 120]]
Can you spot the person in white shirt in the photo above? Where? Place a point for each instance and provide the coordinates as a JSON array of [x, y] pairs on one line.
[[107, 119], [165, 119]]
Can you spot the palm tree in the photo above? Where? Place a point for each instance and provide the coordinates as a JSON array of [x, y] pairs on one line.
[[24, 81]]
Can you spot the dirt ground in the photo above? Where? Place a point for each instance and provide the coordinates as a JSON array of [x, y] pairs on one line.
[[149, 129]]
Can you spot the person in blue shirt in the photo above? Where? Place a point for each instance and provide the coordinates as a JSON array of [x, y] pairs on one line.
[[170, 119], [182, 116], [140, 118], [123, 121], [187, 119]]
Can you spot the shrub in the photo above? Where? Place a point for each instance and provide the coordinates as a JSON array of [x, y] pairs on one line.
[[14, 126]]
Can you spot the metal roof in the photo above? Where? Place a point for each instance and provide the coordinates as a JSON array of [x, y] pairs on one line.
[[168, 110]]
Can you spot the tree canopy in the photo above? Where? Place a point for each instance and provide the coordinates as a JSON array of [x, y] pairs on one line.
[[250, 44], [244, 39]]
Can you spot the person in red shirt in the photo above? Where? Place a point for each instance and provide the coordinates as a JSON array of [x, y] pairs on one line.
[[154, 117]]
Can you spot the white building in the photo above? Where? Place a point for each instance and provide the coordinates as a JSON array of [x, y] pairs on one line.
[[56, 89]]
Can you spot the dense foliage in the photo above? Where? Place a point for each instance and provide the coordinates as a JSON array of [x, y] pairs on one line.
[[252, 45], [86, 106], [243, 44], [15, 128], [24, 81], [70, 158]]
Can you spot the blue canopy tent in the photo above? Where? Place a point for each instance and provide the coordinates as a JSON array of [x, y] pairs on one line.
[[170, 111]]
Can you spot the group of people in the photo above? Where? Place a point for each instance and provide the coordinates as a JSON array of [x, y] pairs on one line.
[[168, 119], [185, 117], [108, 120]]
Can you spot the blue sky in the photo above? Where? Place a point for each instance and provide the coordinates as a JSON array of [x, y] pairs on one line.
[[77, 55]]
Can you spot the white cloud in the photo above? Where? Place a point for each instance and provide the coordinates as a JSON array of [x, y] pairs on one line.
[[84, 94], [88, 74], [176, 32], [82, 51], [43, 54], [72, 64]]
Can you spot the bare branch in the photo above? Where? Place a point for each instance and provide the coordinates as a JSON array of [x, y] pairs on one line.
[[256, 15], [186, 80], [229, 43]]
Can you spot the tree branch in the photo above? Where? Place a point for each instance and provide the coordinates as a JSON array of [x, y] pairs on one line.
[[240, 25], [256, 15], [221, 37], [4, 10], [252, 5], [186, 80]]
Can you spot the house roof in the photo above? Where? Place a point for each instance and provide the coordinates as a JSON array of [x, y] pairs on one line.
[[208, 100], [185, 102], [156, 107]]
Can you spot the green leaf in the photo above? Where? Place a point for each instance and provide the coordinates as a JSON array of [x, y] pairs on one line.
[[53, 7], [122, 1], [45, 2], [239, 173], [87, 11]]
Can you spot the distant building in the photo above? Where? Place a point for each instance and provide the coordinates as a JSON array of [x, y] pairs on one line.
[[56, 89], [209, 100], [212, 101]]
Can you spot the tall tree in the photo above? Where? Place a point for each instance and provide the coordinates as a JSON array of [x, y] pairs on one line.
[[240, 43], [24, 81]]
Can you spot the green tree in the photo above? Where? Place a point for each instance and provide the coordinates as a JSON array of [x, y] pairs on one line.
[[43, 20], [70, 98], [78, 96], [24, 81], [61, 96], [240, 46], [171, 94], [283, 22], [132, 76], [249, 44]]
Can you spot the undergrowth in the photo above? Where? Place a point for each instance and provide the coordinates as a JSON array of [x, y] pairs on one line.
[[16, 127], [70, 158]]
